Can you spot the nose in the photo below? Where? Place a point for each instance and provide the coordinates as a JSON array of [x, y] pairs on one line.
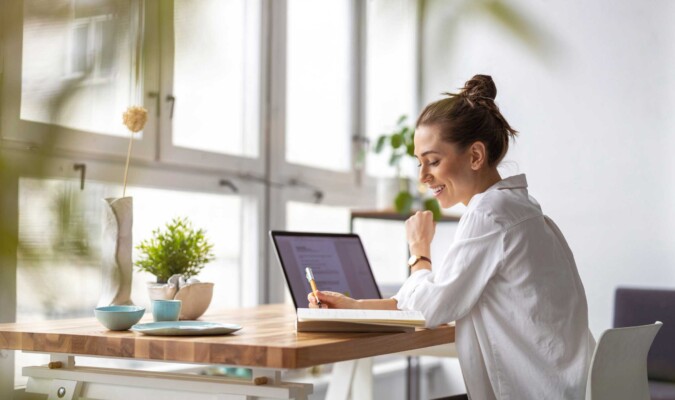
[[425, 176]]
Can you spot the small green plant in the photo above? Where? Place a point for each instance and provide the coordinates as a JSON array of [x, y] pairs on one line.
[[401, 142], [177, 250]]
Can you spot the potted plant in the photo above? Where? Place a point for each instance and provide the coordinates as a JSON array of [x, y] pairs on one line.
[[401, 145], [175, 255]]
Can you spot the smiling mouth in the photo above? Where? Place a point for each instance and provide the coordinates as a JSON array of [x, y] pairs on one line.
[[436, 190]]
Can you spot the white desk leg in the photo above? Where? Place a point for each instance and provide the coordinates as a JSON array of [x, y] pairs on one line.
[[341, 380], [7, 374], [362, 388], [353, 378]]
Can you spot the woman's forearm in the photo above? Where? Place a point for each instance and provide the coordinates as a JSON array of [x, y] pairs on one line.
[[377, 304]]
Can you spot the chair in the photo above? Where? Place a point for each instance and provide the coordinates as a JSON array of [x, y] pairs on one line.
[[618, 369], [633, 307]]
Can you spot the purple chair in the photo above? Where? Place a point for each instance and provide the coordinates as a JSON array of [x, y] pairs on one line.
[[644, 306]]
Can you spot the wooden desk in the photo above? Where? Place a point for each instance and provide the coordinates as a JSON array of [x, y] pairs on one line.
[[268, 343]]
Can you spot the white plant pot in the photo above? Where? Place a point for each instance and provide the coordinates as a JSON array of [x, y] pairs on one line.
[[161, 291], [195, 297]]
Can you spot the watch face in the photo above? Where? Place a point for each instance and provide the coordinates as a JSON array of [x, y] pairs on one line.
[[412, 260]]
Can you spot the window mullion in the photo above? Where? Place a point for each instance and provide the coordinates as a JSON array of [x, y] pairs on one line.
[[358, 136]]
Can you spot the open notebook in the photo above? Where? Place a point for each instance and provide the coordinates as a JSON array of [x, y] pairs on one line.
[[341, 320]]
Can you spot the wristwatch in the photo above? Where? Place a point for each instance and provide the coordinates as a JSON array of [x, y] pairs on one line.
[[415, 258]]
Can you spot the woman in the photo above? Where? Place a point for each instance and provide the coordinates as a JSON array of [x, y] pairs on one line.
[[509, 279]]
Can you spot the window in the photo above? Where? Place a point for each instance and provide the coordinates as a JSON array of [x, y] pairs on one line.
[[60, 232], [391, 72], [90, 54], [319, 83], [216, 81], [78, 64], [308, 217]]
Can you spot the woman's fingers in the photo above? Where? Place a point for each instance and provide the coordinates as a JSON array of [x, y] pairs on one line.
[[328, 299], [312, 300], [313, 303]]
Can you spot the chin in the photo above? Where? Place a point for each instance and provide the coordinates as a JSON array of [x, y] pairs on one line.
[[446, 202]]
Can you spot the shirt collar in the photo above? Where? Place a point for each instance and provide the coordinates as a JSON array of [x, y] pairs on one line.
[[512, 182]]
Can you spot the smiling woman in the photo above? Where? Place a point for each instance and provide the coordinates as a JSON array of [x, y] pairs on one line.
[[455, 136], [509, 279]]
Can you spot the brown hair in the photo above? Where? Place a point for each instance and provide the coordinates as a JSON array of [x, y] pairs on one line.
[[471, 116]]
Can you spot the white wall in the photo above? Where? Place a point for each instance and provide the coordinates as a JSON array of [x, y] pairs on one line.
[[597, 124]]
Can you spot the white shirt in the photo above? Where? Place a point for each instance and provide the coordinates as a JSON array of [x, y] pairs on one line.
[[511, 284]]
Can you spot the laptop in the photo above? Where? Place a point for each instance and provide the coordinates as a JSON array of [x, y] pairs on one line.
[[338, 261]]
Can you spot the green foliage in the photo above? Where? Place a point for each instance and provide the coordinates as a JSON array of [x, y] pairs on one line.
[[177, 250], [401, 143], [403, 202], [433, 206]]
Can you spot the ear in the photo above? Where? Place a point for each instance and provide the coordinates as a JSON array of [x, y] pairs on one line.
[[478, 155]]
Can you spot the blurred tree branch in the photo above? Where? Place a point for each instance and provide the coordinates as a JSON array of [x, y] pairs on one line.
[[525, 30]]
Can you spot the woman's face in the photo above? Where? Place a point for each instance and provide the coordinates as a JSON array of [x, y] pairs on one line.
[[444, 168]]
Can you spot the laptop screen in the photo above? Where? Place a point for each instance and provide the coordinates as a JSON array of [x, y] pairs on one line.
[[338, 262]]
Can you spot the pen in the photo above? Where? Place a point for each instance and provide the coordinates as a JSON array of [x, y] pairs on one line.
[[310, 278]]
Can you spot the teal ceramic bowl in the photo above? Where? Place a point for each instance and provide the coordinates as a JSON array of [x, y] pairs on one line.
[[119, 318]]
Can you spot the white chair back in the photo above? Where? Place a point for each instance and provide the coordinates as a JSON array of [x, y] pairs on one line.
[[618, 368]]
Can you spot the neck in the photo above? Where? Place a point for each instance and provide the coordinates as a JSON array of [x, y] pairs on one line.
[[484, 179]]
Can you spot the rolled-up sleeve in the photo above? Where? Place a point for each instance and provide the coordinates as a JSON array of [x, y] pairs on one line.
[[450, 291]]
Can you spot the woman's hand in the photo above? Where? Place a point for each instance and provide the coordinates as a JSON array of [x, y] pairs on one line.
[[332, 300], [420, 230]]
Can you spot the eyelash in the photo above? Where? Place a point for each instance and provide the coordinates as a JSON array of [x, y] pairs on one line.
[[433, 164]]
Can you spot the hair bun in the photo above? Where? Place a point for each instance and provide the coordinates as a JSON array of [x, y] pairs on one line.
[[480, 86]]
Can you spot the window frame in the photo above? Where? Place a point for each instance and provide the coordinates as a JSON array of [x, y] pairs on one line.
[[35, 135], [285, 170], [169, 153]]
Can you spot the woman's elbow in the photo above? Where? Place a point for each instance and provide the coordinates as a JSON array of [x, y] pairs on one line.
[[433, 318]]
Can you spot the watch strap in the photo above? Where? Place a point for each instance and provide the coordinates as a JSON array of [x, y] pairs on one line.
[[418, 258]]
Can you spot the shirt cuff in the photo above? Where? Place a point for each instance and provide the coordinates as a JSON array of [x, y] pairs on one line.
[[405, 292]]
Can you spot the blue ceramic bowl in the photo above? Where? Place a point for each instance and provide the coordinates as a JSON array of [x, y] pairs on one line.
[[119, 318]]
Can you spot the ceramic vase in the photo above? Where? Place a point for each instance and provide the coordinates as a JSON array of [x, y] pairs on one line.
[[116, 246], [195, 296]]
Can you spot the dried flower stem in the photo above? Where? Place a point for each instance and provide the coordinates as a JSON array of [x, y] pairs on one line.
[[126, 166], [134, 119]]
